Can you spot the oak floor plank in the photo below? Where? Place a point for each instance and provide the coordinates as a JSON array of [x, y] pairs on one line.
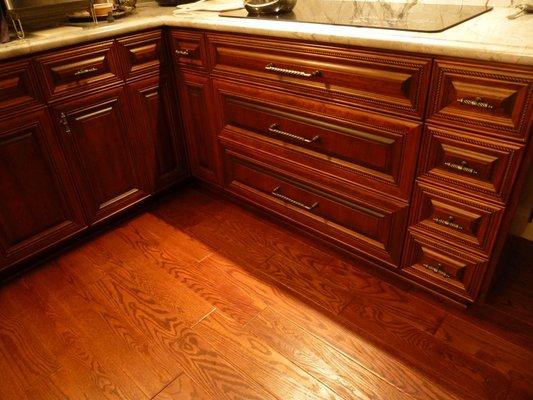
[[262, 363], [183, 388]]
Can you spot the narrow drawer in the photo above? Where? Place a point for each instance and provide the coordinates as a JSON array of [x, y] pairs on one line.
[[443, 268], [17, 87], [458, 219], [189, 49], [372, 226], [141, 53], [356, 146], [379, 81], [471, 95], [70, 71], [485, 167]]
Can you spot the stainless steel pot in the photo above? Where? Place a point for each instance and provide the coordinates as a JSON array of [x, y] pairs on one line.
[[269, 6]]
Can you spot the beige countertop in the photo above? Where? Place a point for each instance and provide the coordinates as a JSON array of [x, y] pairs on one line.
[[490, 36]]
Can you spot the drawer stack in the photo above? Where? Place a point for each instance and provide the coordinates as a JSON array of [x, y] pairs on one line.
[[478, 123], [324, 137]]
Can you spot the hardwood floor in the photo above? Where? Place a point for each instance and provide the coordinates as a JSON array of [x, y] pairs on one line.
[[199, 299]]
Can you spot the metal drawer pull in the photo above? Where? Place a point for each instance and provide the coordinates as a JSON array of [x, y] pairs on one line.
[[437, 269], [284, 71], [185, 53], [85, 71], [274, 129], [277, 193], [463, 167], [448, 222], [63, 121], [477, 102]]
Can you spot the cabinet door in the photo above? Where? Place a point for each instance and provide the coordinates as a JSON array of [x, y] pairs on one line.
[[102, 152], [152, 103], [38, 205], [195, 93]]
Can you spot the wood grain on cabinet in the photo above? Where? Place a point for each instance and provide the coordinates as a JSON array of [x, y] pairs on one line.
[[18, 86], [352, 146], [489, 98], [142, 53], [189, 49], [38, 204], [379, 81], [102, 152]]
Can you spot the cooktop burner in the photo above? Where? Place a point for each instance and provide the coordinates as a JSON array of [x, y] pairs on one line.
[[410, 16]]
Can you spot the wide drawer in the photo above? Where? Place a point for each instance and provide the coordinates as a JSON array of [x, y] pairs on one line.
[[370, 226], [189, 49], [443, 268], [484, 167], [355, 146], [70, 71], [17, 88], [141, 53], [476, 96], [458, 219], [380, 81]]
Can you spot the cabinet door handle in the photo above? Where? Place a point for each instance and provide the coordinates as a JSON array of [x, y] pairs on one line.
[[450, 221], [85, 71], [63, 121], [274, 129], [291, 72], [462, 166], [477, 102], [437, 269], [277, 193], [183, 53]]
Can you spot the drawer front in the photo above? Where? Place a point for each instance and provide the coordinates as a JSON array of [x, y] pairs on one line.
[[493, 98], [458, 219], [17, 89], [70, 71], [483, 167], [141, 53], [189, 49], [378, 81], [443, 268], [368, 226], [355, 146]]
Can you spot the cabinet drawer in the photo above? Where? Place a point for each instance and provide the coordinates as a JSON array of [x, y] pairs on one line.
[[368, 225], [69, 71], [141, 53], [459, 219], [493, 98], [443, 268], [482, 166], [355, 146], [17, 88], [379, 81], [189, 49]]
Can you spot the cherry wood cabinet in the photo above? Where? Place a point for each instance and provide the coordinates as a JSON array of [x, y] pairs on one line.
[[38, 204]]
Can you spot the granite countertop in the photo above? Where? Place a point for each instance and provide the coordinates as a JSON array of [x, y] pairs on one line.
[[490, 36]]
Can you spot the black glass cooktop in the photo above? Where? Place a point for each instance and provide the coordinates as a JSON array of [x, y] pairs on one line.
[[410, 16]]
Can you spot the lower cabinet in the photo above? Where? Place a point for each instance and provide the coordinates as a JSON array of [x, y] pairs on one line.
[[38, 204], [102, 152]]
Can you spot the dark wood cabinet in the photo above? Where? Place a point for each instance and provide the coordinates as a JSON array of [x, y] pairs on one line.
[[102, 152], [38, 204]]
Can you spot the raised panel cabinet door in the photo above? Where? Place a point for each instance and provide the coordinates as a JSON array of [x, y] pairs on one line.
[[38, 205], [158, 127], [195, 94], [102, 152]]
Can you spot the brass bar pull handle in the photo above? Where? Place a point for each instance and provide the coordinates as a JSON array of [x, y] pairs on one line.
[[63, 121], [477, 102], [462, 166], [184, 53], [450, 221], [277, 193], [274, 129], [85, 71], [437, 269], [291, 72]]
